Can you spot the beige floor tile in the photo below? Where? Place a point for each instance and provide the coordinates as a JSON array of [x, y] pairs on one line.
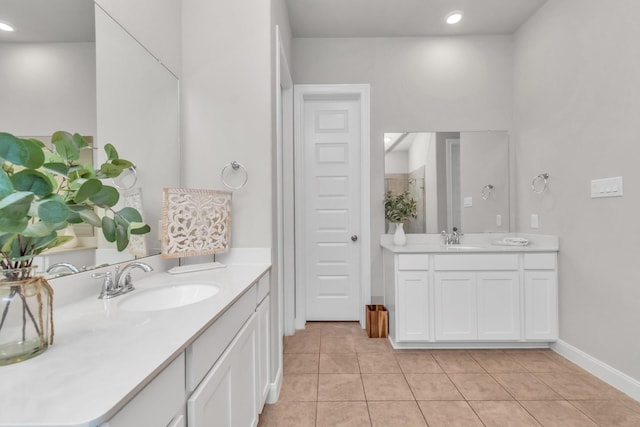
[[338, 329], [433, 387], [557, 413], [537, 361], [479, 387], [418, 363], [300, 363], [525, 386], [299, 387], [337, 344], [343, 414], [288, 414], [378, 363], [302, 344], [457, 363], [609, 413], [396, 414], [364, 344], [386, 387], [578, 386], [449, 414], [340, 387], [339, 363], [498, 363], [503, 414]]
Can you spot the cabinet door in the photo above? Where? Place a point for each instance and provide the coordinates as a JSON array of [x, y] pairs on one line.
[[263, 351], [413, 297], [541, 305], [227, 395], [498, 305], [455, 306]]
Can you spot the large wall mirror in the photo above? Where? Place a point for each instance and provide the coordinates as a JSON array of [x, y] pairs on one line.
[[70, 66], [458, 179]]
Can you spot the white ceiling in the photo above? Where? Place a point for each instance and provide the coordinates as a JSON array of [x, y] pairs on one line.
[[406, 18], [48, 20]]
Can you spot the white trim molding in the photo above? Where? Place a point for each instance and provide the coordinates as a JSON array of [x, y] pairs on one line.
[[606, 373], [274, 388]]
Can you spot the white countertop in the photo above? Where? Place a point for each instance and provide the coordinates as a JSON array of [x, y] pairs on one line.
[[102, 355], [470, 243]]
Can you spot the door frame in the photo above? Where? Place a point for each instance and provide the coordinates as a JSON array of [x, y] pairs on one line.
[[360, 92]]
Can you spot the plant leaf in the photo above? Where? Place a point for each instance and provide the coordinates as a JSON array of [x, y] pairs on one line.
[[56, 168], [33, 181], [90, 217], [112, 153], [79, 141], [65, 146], [122, 237], [53, 211], [38, 229], [109, 229], [130, 214], [13, 149], [6, 187], [141, 229], [108, 170], [89, 188], [107, 196], [36, 154]]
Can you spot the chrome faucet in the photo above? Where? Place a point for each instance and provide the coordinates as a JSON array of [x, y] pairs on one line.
[[123, 277], [452, 238], [63, 265], [122, 283]]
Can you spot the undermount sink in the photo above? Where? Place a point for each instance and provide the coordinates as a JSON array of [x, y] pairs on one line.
[[167, 297], [462, 247]]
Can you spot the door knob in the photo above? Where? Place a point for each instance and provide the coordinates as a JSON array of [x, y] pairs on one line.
[[354, 238]]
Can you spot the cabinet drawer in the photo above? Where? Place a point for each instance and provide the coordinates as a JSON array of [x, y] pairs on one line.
[[413, 262], [263, 287], [540, 261], [477, 262], [157, 403], [204, 352]]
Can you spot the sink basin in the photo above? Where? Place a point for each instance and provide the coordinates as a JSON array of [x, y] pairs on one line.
[[167, 297], [462, 248]]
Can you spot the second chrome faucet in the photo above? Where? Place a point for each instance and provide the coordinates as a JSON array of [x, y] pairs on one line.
[[122, 283]]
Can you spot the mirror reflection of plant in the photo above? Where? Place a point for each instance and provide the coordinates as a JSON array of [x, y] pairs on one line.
[[399, 207], [43, 190]]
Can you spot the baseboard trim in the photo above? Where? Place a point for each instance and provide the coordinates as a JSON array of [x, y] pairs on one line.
[[274, 388], [606, 373]]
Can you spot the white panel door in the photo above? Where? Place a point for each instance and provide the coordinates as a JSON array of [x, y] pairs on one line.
[[456, 311], [413, 297], [541, 305], [331, 139], [498, 305]]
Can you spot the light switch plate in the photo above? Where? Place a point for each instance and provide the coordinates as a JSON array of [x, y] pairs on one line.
[[606, 187], [468, 202], [534, 221]]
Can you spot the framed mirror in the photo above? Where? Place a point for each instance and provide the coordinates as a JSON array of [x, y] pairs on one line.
[[458, 179], [61, 72]]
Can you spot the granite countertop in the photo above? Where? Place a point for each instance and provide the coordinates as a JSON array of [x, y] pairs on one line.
[[103, 355]]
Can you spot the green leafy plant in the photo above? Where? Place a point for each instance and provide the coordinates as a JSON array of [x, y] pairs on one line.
[[399, 207], [43, 190]]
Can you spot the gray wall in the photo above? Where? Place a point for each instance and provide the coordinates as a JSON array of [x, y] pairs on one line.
[[417, 84], [577, 89]]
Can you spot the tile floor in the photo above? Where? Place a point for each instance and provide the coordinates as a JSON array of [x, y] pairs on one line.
[[334, 375]]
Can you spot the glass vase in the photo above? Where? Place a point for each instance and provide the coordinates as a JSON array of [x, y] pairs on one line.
[[26, 324]]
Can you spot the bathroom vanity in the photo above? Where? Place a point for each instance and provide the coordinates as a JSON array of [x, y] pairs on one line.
[[473, 295], [121, 364]]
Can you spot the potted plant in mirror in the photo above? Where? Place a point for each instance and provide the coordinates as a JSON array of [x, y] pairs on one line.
[[397, 209], [42, 191]]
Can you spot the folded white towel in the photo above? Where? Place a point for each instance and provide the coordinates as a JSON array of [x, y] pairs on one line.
[[511, 241]]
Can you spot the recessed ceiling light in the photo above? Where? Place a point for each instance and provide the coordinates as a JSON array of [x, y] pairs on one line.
[[5, 27], [454, 17]]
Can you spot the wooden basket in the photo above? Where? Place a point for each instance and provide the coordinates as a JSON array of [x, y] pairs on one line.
[[377, 321]]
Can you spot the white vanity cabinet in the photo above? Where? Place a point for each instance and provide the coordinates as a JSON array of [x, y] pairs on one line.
[[541, 297], [470, 298]]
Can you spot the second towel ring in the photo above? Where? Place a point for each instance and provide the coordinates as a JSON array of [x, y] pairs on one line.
[[486, 191], [234, 176], [539, 183]]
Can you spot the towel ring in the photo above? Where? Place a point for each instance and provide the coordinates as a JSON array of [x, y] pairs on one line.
[[234, 176], [486, 191], [127, 178], [539, 183]]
